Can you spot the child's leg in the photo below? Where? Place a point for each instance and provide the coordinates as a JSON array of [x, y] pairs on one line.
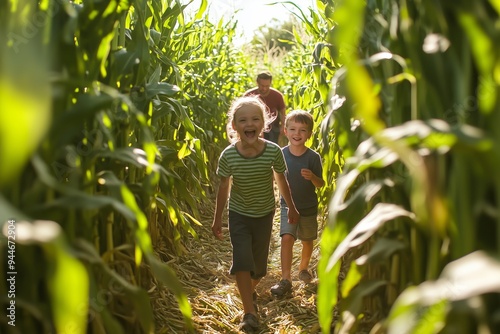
[[307, 249], [245, 288], [287, 241], [261, 239], [255, 282], [307, 233], [249, 255], [288, 233]]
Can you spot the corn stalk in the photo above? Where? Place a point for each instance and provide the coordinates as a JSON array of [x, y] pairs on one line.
[[416, 105]]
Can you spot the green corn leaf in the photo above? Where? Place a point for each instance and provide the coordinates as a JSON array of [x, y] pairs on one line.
[[65, 272], [353, 277], [470, 276], [352, 305], [381, 251], [25, 88], [161, 88], [116, 284], [167, 276], [328, 289], [381, 213]]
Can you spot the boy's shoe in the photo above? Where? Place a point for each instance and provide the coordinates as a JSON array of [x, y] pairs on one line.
[[305, 276], [250, 323], [282, 288]]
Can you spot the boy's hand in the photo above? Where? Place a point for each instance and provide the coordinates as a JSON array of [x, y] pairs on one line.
[[309, 175], [306, 173], [293, 215]]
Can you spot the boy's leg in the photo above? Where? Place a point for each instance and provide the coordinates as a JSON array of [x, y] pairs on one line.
[[307, 249], [287, 241], [288, 233], [288, 236], [307, 233]]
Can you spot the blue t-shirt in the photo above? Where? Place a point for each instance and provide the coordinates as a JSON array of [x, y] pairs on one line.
[[303, 191]]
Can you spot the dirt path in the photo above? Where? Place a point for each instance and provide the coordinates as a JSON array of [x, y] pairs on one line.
[[213, 295]]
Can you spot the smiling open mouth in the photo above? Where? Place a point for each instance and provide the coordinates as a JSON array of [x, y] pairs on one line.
[[250, 134]]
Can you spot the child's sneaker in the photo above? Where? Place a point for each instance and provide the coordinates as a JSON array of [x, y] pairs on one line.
[[282, 288], [250, 323], [305, 276]]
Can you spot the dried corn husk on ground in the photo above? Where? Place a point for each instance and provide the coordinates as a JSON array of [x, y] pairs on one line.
[[213, 295]]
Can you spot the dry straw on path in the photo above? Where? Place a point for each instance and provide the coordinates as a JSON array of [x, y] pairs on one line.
[[213, 296]]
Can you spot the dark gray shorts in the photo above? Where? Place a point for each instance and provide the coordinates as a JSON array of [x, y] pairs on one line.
[[250, 238], [305, 230]]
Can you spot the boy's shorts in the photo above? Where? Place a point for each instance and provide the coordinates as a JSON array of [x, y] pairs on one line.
[[305, 230], [250, 238]]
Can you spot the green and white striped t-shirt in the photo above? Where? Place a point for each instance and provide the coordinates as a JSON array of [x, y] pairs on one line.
[[252, 192]]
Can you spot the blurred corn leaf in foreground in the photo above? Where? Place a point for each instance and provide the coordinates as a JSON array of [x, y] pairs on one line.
[[105, 131], [415, 110]]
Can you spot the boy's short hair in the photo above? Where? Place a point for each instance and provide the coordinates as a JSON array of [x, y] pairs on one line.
[[265, 75], [300, 116]]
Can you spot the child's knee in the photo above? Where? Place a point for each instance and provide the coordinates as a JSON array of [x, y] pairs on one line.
[[287, 237]]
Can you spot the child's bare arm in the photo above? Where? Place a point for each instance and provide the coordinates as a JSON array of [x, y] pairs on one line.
[[220, 203], [309, 175], [284, 188]]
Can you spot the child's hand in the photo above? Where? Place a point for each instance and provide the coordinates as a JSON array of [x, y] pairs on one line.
[[309, 175], [217, 230], [306, 173], [293, 215]]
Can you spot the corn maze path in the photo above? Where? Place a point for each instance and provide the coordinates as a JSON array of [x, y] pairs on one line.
[[212, 293]]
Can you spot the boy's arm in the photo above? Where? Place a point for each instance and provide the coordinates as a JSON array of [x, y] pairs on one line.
[[317, 181], [284, 188], [220, 204], [309, 175]]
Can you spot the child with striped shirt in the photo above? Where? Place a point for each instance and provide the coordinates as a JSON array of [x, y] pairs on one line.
[[246, 169]]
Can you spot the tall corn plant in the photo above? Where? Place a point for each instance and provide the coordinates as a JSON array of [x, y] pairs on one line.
[[414, 109], [209, 73], [308, 69], [97, 152], [213, 72]]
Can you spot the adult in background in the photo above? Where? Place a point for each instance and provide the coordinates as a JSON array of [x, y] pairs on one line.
[[275, 103]]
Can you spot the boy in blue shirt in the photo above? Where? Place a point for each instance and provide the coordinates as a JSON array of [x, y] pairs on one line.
[[304, 175]]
